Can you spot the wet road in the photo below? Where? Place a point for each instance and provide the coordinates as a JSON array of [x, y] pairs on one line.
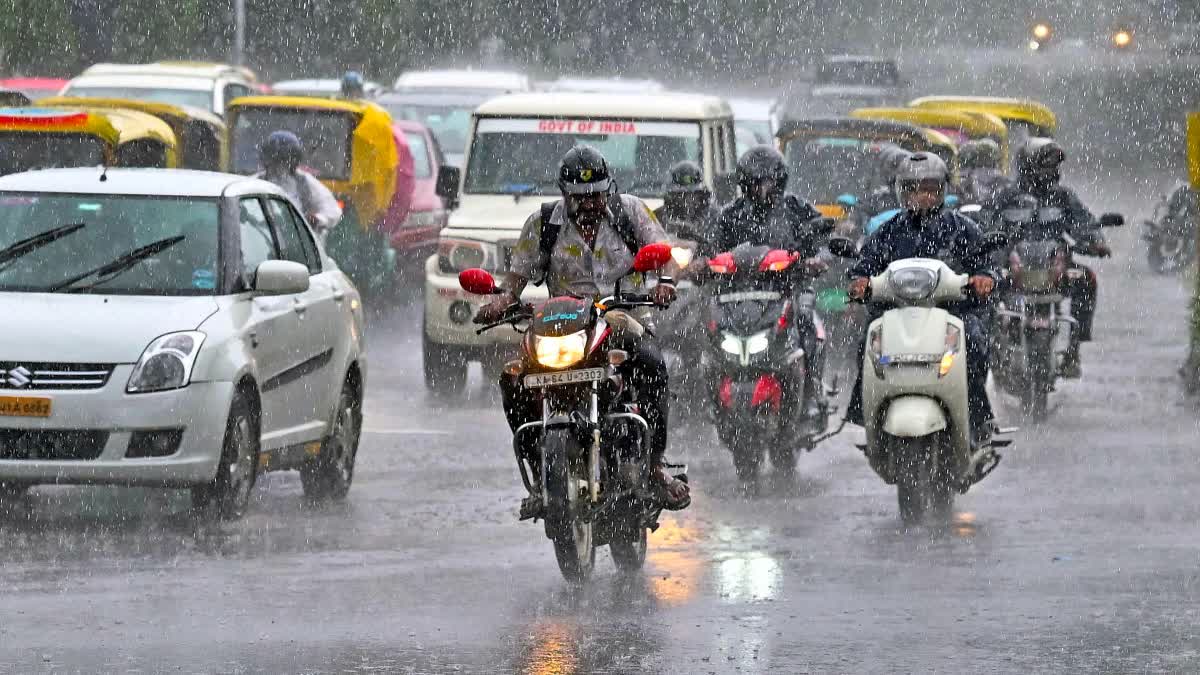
[[1078, 555]]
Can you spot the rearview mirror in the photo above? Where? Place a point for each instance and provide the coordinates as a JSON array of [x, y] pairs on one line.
[[1112, 220], [477, 281], [281, 277], [447, 185], [843, 247], [652, 257]]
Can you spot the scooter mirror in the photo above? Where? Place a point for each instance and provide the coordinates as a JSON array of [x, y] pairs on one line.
[[843, 247], [652, 257], [1112, 220], [477, 281]]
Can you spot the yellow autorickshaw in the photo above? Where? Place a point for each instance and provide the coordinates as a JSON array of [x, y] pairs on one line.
[[959, 126], [200, 134], [1025, 118], [39, 138], [351, 147]]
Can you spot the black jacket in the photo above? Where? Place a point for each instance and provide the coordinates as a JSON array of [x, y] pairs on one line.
[[1076, 220], [788, 226], [945, 235]]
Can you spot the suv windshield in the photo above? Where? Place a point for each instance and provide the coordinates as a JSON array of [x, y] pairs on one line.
[[113, 226], [23, 151], [324, 133], [196, 98], [521, 156]]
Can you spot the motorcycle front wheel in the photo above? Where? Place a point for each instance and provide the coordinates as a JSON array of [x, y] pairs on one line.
[[566, 487]]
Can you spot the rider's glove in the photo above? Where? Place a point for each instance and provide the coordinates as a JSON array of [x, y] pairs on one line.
[[663, 294], [814, 266], [859, 288], [982, 284], [494, 310]]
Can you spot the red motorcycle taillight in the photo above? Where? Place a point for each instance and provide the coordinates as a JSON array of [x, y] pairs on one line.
[[782, 325], [725, 392], [767, 390]]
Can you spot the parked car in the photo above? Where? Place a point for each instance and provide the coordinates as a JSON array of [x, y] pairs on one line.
[[199, 85], [428, 212], [209, 337], [324, 88]]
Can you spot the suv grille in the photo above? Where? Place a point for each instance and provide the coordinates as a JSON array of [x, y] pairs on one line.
[[26, 376], [60, 445]]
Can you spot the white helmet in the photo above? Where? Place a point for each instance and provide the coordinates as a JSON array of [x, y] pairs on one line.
[[918, 167]]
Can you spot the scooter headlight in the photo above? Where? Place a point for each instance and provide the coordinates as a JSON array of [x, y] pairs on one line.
[[913, 283], [758, 343], [560, 352]]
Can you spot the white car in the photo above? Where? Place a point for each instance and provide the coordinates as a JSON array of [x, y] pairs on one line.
[[199, 85], [612, 85], [176, 329], [494, 82], [321, 88]]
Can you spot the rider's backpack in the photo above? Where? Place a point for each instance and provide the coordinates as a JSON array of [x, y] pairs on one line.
[[622, 223]]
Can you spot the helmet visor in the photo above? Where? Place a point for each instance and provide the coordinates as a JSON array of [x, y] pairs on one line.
[[593, 187]]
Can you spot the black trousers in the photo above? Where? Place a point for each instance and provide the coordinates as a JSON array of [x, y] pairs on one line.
[[1082, 292], [646, 370]]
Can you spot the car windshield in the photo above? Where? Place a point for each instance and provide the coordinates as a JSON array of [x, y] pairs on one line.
[[326, 135], [196, 98], [511, 155], [823, 169], [113, 226], [450, 123], [24, 151]]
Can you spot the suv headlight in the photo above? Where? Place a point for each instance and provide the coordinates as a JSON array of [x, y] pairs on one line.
[[166, 363], [456, 255], [560, 352]]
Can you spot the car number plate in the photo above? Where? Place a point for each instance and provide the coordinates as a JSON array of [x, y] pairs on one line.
[[565, 377], [24, 406]]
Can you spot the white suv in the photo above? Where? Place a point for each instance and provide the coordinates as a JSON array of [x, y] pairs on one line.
[[199, 85], [176, 329]]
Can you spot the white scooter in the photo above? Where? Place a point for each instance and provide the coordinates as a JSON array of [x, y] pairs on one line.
[[915, 388]]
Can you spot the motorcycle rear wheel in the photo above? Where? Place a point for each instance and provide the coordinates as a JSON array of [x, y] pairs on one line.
[[571, 534]]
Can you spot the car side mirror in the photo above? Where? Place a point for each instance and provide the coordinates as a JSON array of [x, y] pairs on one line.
[[478, 282], [725, 187], [843, 247], [1112, 220], [652, 257], [281, 277], [448, 179]]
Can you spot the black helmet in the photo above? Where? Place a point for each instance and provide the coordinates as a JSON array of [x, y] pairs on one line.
[[762, 162], [582, 171], [685, 176], [282, 148], [353, 84], [1039, 159], [979, 154]]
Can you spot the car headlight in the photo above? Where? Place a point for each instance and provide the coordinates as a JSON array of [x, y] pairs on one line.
[[166, 363], [913, 283], [456, 255], [560, 352], [758, 343]]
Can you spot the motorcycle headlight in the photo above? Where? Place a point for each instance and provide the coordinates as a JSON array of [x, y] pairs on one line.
[[682, 256], [913, 283], [758, 343], [560, 352], [731, 344], [166, 363]]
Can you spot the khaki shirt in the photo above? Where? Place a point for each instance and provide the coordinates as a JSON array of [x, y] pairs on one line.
[[575, 268]]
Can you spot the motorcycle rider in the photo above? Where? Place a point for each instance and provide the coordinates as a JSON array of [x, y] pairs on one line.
[[353, 85], [926, 229], [689, 210], [280, 156], [595, 235], [980, 177], [882, 197], [766, 214], [1038, 175]]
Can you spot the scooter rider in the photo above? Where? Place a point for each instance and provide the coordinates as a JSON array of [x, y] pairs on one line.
[[1038, 175], [280, 156], [767, 215], [882, 197], [980, 177], [926, 229], [581, 246], [689, 211]]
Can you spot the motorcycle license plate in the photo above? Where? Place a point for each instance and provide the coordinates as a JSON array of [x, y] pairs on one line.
[[24, 406], [565, 377]]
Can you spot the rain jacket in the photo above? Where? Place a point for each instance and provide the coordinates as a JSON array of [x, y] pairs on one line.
[[316, 201], [786, 226]]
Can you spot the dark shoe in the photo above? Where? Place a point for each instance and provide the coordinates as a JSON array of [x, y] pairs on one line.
[[532, 507], [669, 492]]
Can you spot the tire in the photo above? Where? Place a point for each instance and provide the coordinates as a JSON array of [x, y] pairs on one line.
[[329, 476], [237, 470], [1040, 374], [783, 460], [628, 548], [1162, 262], [914, 482], [571, 535], [445, 369]]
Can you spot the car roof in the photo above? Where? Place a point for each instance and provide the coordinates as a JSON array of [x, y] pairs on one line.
[[752, 108], [613, 85], [331, 85], [466, 98], [210, 71], [463, 79], [141, 81], [612, 106], [152, 182]]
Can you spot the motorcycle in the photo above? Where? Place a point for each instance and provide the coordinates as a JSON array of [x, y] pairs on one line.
[[915, 387], [591, 469], [1170, 235], [679, 329], [753, 361]]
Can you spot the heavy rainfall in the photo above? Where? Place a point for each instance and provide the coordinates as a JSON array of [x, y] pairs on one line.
[[788, 336]]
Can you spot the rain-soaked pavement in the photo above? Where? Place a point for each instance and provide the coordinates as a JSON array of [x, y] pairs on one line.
[[1078, 555]]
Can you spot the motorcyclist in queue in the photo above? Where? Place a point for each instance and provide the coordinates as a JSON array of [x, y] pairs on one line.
[[689, 210], [926, 229], [882, 197], [280, 156], [353, 85], [766, 214], [598, 234], [980, 176], [1039, 176]]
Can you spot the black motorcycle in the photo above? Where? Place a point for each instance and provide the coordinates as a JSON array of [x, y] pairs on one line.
[[591, 469], [1170, 235]]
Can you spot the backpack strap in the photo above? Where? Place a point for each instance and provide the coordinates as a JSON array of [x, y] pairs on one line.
[[622, 223]]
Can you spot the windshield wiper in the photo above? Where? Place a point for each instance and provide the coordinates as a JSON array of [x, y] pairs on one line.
[[109, 271], [31, 244]]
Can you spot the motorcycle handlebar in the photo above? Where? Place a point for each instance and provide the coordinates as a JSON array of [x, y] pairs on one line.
[[513, 314]]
